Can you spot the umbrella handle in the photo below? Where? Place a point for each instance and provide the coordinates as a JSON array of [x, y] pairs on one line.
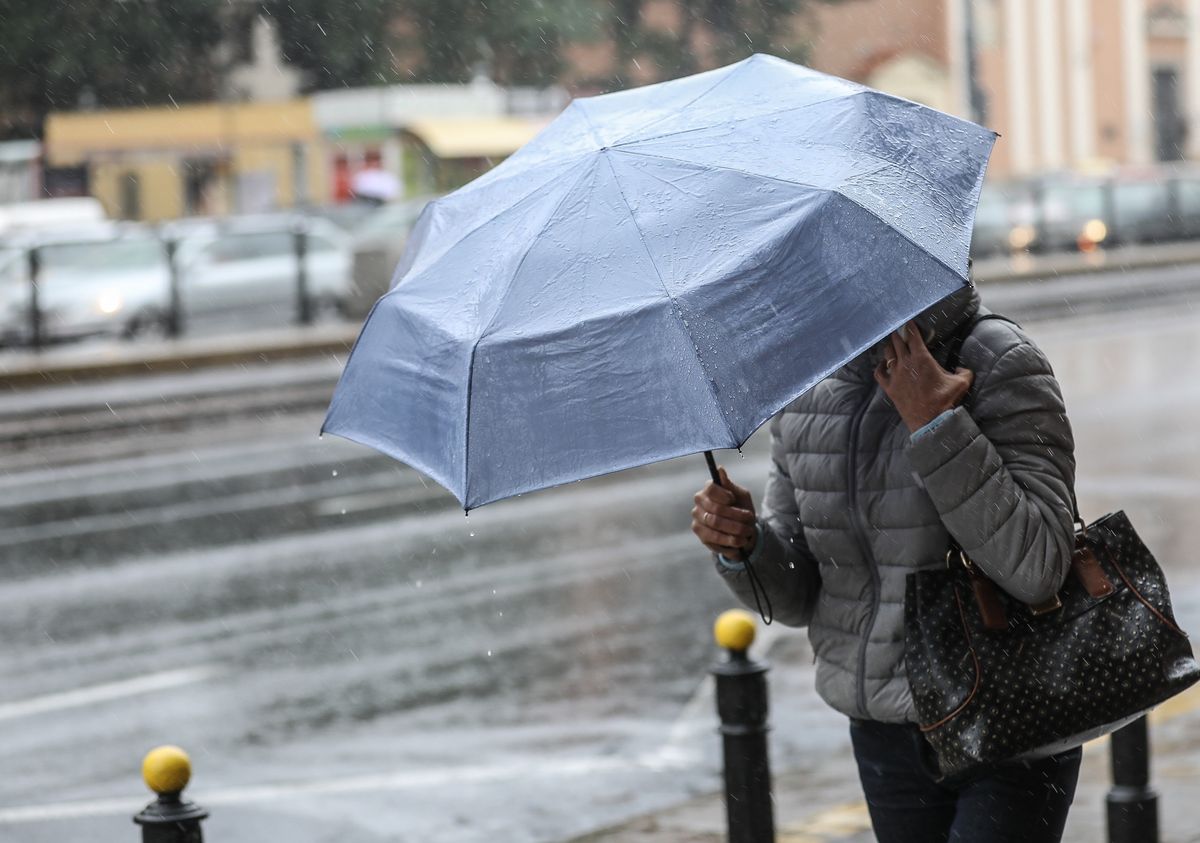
[[712, 467], [756, 586]]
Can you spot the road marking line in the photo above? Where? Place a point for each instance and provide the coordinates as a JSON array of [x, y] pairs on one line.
[[103, 693], [397, 780], [839, 821]]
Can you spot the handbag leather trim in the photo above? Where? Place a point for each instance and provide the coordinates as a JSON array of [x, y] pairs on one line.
[[991, 610], [1087, 569], [962, 615], [1169, 624]]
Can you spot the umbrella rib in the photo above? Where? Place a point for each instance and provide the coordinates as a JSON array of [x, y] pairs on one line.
[[705, 166], [742, 64], [495, 313], [883, 165], [884, 161], [436, 203], [675, 305], [578, 105], [736, 120], [892, 227]]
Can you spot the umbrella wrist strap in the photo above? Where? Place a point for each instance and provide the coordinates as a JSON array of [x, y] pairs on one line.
[[757, 589]]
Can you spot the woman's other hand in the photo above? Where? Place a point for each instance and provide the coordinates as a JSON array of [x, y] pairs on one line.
[[917, 385], [723, 518]]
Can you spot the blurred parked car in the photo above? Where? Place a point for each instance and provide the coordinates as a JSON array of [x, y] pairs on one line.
[[378, 244], [1074, 213], [108, 279], [1066, 212], [115, 280], [348, 216], [1141, 210], [1005, 221], [1186, 186], [244, 269], [49, 214]]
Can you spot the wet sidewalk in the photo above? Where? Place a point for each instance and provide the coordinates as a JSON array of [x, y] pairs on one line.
[[823, 805]]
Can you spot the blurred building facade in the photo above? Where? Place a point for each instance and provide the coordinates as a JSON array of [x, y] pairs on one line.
[[162, 163], [1068, 84], [252, 157]]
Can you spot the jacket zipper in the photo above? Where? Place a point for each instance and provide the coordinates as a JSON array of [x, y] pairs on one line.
[[864, 545]]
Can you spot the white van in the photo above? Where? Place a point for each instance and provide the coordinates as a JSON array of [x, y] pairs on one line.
[[24, 217]]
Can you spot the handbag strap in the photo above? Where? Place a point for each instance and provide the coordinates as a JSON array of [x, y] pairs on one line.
[[956, 343]]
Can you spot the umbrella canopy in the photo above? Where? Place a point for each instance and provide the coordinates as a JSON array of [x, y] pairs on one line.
[[656, 274]]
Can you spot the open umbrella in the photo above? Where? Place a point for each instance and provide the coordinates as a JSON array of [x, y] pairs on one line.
[[656, 274]]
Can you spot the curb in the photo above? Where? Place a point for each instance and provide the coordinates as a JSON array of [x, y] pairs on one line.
[[1030, 267], [56, 367]]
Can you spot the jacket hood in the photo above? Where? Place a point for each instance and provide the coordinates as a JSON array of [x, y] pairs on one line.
[[936, 323]]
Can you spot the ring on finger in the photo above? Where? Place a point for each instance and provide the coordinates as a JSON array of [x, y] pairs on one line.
[[707, 517], [888, 362]]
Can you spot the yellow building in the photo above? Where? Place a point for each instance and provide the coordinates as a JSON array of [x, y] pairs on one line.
[[161, 163]]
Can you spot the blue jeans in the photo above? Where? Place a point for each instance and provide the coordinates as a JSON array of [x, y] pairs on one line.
[[1023, 802]]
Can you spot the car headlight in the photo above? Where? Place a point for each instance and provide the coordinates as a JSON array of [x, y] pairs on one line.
[[109, 302], [1021, 236], [1095, 231]]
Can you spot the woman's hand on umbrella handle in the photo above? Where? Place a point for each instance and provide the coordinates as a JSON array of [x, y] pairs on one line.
[[723, 518], [917, 385]]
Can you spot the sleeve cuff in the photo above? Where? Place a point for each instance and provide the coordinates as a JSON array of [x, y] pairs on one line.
[[930, 426], [955, 431], [733, 565]]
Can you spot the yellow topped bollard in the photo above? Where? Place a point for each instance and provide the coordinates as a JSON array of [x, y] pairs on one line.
[[742, 707], [734, 630], [166, 769], [169, 819]]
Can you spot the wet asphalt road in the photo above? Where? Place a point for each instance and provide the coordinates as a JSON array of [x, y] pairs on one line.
[[348, 658]]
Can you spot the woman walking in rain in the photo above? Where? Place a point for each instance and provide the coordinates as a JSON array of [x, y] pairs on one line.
[[873, 472]]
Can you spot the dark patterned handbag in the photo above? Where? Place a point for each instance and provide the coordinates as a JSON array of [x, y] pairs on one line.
[[994, 680]]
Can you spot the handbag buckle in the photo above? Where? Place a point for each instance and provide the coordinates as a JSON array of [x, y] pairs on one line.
[[962, 556], [1046, 607]]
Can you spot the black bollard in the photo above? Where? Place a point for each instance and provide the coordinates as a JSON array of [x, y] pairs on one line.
[[170, 818], [35, 304], [742, 707], [175, 294], [303, 298], [1132, 803]]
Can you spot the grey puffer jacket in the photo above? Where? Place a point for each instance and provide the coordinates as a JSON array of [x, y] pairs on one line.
[[854, 503]]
